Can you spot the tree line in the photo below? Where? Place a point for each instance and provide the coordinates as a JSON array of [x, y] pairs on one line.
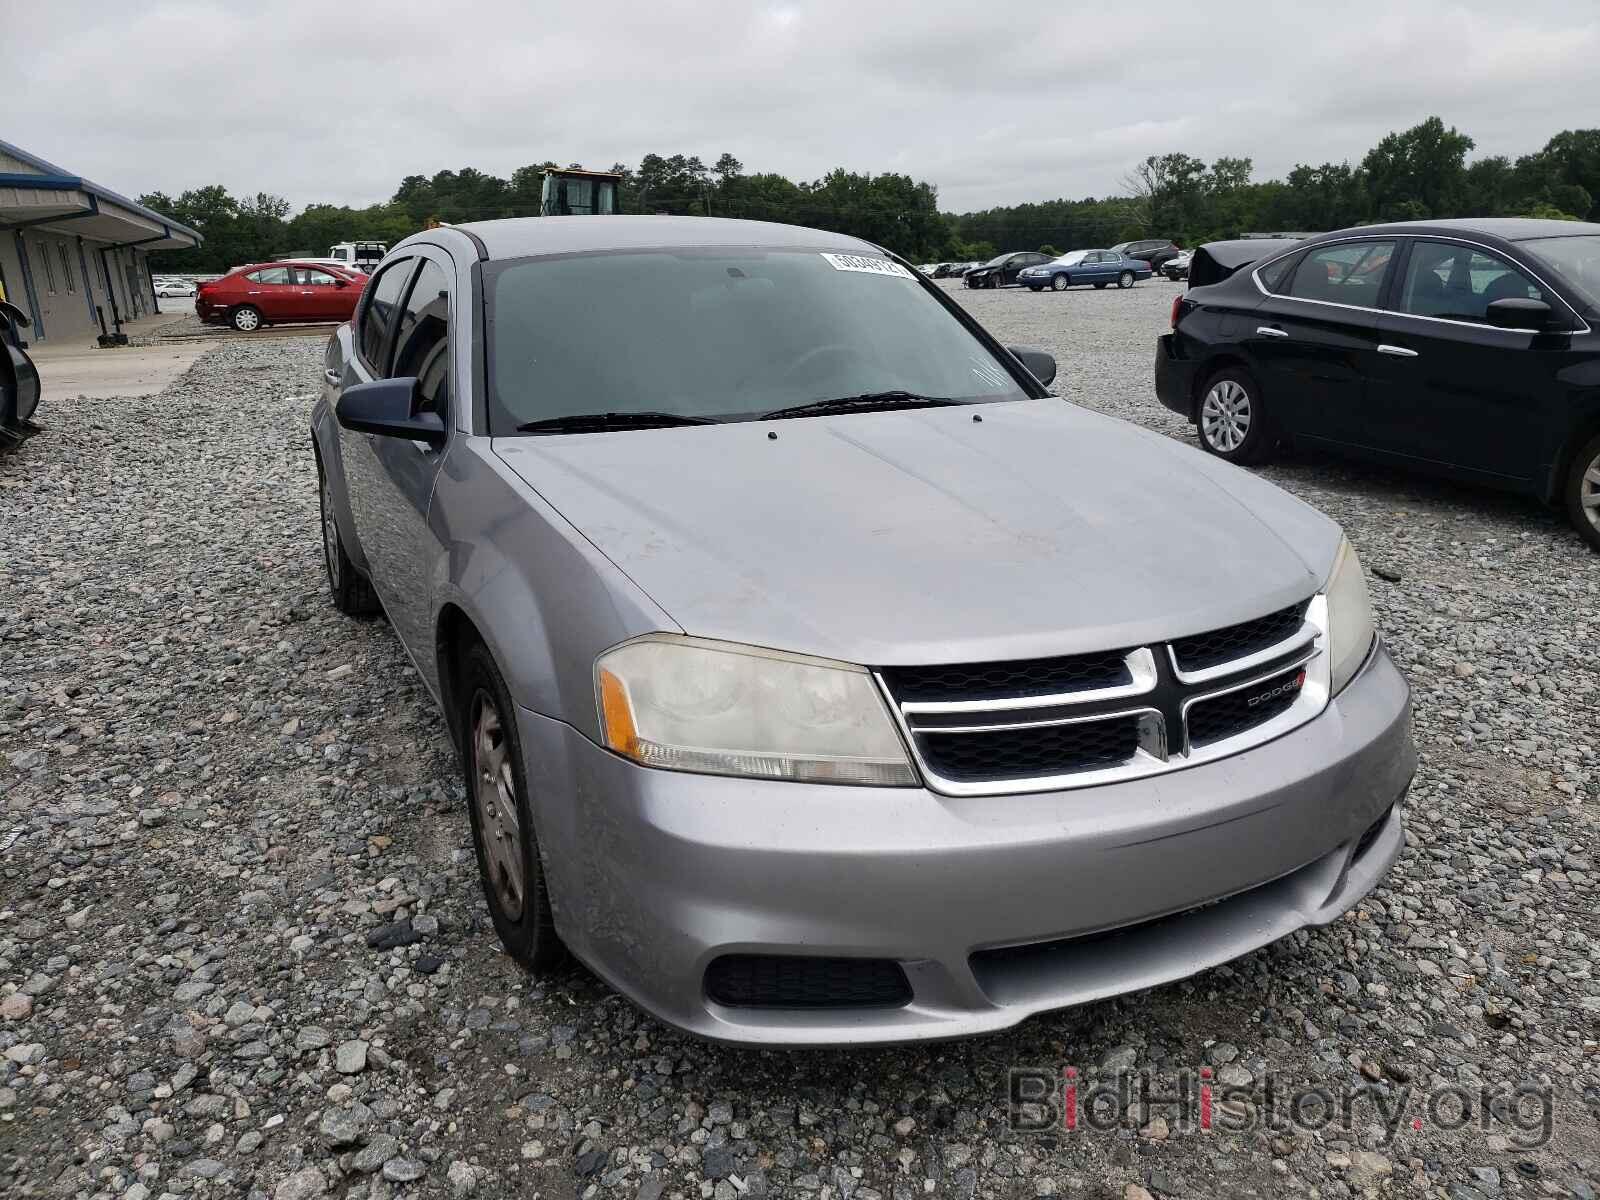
[[1417, 173]]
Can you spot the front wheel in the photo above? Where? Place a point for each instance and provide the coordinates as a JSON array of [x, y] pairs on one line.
[[1125, 280], [1232, 422], [994, 281], [1060, 283], [246, 319], [502, 815], [1583, 492], [351, 592]]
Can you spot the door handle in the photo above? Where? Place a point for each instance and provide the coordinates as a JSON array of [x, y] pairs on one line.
[[1397, 351], [1271, 331]]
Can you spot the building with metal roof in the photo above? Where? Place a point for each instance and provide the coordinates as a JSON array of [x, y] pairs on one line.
[[73, 252]]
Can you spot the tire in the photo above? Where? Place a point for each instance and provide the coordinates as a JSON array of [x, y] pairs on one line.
[[1060, 283], [1582, 492], [1125, 280], [1036, 287], [994, 281], [246, 318], [352, 593], [1231, 420], [502, 817]]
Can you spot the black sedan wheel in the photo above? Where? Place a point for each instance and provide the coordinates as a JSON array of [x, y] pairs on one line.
[[994, 281], [1061, 283], [1583, 492], [502, 818], [1232, 423], [1125, 280]]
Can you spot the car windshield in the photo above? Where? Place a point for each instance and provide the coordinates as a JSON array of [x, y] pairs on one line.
[[1575, 259], [1071, 256], [720, 333]]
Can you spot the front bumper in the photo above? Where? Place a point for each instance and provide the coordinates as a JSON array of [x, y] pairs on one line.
[[985, 902], [1174, 377]]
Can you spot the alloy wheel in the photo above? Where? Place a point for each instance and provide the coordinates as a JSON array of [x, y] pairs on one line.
[[495, 797], [246, 319], [1225, 415], [1589, 492], [1059, 283], [330, 534]]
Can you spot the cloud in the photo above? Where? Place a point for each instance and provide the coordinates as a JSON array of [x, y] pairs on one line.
[[993, 104]]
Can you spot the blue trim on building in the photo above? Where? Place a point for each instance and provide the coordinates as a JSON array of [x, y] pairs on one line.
[[87, 185], [27, 286]]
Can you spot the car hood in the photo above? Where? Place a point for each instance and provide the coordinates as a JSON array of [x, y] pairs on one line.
[[925, 536]]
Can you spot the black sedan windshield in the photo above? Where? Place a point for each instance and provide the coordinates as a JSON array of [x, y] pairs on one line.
[[723, 334], [1576, 260]]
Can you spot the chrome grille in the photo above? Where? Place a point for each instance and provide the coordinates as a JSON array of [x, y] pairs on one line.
[[1076, 721]]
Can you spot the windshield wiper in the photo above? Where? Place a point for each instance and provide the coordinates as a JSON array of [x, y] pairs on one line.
[[599, 421], [863, 403]]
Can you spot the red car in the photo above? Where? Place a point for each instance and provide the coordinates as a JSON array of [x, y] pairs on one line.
[[264, 293]]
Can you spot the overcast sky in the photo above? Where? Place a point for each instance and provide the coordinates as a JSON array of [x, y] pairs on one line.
[[993, 103]]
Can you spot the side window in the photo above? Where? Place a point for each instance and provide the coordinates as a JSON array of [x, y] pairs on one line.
[[1458, 283], [382, 297], [66, 268], [422, 339], [311, 277], [1344, 273], [1274, 275], [49, 268], [271, 275]]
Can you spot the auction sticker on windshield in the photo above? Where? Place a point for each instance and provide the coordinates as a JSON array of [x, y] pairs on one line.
[[868, 266]]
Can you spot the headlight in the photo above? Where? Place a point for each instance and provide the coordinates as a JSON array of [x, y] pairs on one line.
[[1350, 627], [691, 705]]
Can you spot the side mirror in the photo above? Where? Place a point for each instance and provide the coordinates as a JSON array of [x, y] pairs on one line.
[[389, 408], [1040, 362], [340, 281], [1519, 313]]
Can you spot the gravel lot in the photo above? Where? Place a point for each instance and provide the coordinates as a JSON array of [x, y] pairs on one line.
[[243, 952]]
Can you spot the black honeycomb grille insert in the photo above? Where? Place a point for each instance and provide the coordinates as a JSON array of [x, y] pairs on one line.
[[1017, 679], [1235, 641], [794, 981], [1234, 712], [1030, 753]]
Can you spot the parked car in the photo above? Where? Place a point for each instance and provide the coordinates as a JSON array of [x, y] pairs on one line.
[[1216, 261], [1177, 268], [1003, 269], [783, 775], [1099, 267], [1466, 348], [174, 287], [19, 380], [1155, 251], [264, 293]]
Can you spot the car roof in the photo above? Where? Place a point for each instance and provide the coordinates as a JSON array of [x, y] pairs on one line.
[[522, 237], [1510, 229]]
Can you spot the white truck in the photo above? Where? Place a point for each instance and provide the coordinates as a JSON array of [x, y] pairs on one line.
[[357, 256]]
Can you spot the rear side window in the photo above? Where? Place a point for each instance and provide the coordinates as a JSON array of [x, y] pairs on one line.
[[1458, 283], [422, 339], [382, 298], [270, 275], [1344, 273], [1273, 275]]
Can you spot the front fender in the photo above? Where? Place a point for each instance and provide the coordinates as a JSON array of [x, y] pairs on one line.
[[325, 439], [545, 601]]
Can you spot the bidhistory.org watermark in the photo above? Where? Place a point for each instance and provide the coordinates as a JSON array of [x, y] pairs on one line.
[[1057, 1100]]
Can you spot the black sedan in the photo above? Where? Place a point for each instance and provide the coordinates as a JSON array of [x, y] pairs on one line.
[[1466, 348], [19, 380], [1003, 269]]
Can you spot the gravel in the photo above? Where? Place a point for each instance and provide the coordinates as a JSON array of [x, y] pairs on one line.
[[243, 951]]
